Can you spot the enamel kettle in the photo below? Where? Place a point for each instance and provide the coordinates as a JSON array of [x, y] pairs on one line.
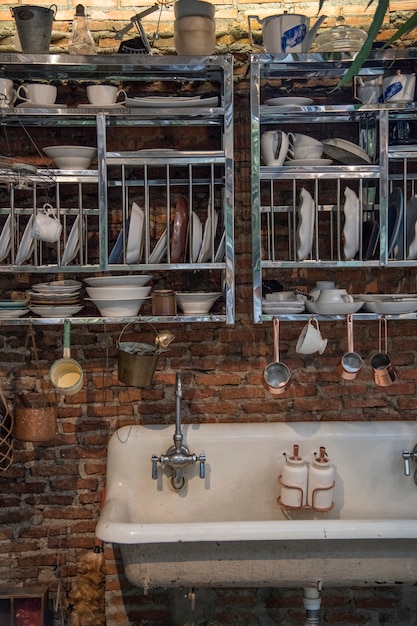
[[289, 32]]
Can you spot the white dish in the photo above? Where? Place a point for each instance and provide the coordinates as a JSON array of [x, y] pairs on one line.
[[305, 229], [12, 304], [5, 314], [116, 105], [71, 157], [129, 307], [219, 256], [333, 308], [159, 249], [205, 251], [411, 227], [118, 292], [108, 281], [36, 105], [26, 244], [385, 307], [5, 239], [197, 303], [73, 243], [58, 286], [385, 297], [286, 101], [351, 226], [135, 237], [346, 152], [395, 219], [172, 102], [307, 162], [56, 311], [270, 309], [197, 236]]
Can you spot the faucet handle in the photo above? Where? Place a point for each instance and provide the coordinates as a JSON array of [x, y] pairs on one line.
[[202, 459], [154, 460], [406, 456]]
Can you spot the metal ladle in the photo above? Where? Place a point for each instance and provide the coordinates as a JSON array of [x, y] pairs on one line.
[[277, 376]]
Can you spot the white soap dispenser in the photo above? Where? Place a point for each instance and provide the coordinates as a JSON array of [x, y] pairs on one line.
[[294, 481], [321, 482]]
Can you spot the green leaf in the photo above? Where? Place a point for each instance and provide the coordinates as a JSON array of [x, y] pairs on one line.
[[403, 30]]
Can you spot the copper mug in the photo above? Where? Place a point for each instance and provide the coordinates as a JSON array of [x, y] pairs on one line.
[[351, 361], [384, 371]]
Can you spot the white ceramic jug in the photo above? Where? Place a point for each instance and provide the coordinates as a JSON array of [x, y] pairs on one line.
[[289, 32]]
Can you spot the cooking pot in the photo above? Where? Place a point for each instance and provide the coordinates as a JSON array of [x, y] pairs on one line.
[[289, 32]]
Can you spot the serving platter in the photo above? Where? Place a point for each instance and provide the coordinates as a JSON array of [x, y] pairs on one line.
[[345, 152]]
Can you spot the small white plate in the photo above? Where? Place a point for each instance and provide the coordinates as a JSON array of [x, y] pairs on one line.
[[5, 239], [346, 152], [58, 286], [26, 244], [219, 256], [159, 249], [206, 245], [5, 314], [135, 236], [288, 101], [305, 230], [73, 243], [307, 162], [197, 235]]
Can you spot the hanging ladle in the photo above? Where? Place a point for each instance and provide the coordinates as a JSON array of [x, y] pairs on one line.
[[277, 376], [66, 374]]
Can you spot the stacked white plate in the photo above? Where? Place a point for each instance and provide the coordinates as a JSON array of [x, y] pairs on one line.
[[59, 298], [13, 308], [290, 304]]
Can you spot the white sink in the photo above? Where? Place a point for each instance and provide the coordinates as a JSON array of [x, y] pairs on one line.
[[228, 529]]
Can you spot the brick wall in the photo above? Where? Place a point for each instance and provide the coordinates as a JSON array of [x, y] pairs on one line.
[[50, 497]]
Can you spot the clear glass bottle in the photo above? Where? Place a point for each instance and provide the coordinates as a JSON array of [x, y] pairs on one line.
[[81, 40]]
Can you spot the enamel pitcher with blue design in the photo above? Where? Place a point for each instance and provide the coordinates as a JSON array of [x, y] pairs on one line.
[[289, 32]]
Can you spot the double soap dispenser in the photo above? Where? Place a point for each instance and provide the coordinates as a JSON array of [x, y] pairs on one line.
[[307, 484]]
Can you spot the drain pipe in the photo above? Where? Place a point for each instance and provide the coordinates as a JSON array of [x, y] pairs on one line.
[[312, 601]]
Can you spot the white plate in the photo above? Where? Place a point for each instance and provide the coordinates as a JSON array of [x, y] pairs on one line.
[[167, 102], [307, 162], [385, 307], [219, 256], [270, 309], [395, 219], [206, 245], [288, 101], [135, 236], [12, 304], [160, 248], [351, 226], [346, 152], [305, 228], [35, 105], [55, 311], [411, 227], [73, 243], [197, 235], [26, 244], [385, 297], [5, 314], [333, 308], [58, 286], [116, 105], [5, 239]]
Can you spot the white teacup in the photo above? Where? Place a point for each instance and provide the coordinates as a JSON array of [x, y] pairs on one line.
[[399, 88], [336, 296], [310, 339], [300, 153], [104, 94], [368, 89], [274, 147], [7, 93], [298, 140], [38, 93], [46, 225]]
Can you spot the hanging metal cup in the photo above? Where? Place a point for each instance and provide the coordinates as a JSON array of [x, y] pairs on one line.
[[277, 376], [351, 362], [384, 371]]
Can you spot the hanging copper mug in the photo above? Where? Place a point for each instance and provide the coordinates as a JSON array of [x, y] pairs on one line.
[[384, 371]]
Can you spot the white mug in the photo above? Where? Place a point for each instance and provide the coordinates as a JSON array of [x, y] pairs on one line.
[[274, 147], [7, 93], [368, 89], [310, 339], [46, 225], [399, 88], [104, 94], [38, 93]]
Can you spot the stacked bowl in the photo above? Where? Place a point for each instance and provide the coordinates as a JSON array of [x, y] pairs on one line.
[[118, 296]]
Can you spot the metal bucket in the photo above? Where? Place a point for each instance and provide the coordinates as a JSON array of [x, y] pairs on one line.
[[34, 27], [35, 424], [137, 361]]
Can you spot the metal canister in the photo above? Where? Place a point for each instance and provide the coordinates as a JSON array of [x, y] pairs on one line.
[[164, 302]]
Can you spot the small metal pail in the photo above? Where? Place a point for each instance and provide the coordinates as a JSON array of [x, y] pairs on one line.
[[34, 27], [137, 361]]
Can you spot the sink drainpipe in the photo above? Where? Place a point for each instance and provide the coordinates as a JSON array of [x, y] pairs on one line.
[[312, 601]]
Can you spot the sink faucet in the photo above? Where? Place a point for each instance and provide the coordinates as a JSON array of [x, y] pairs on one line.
[[178, 456], [407, 456]]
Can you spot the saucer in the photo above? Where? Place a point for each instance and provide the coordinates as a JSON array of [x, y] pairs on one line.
[[115, 105], [307, 162], [288, 101]]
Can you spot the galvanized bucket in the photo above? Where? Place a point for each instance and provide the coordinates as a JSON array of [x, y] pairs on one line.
[[34, 27]]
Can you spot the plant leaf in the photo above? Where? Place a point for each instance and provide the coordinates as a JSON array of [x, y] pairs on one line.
[[403, 30], [363, 53]]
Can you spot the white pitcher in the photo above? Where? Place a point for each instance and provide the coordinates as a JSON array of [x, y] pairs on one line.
[[289, 32]]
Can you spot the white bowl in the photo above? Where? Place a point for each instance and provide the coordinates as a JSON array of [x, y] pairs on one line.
[[128, 307], [333, 308], [71, 157], [118, 292], [387, 307], [197, 303], [128, 280]]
